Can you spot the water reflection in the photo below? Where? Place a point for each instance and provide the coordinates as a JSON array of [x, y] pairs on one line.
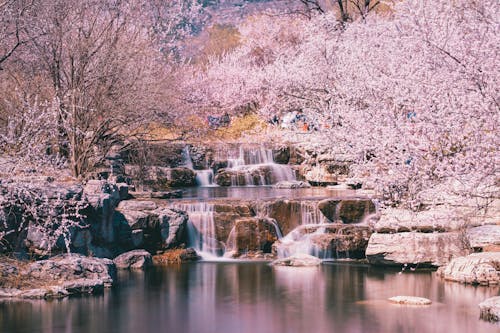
[[254, 297]]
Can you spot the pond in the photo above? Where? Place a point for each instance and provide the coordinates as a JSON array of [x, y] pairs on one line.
[[255, 297]]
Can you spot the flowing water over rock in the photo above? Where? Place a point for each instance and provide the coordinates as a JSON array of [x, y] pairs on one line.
[[241, 166]]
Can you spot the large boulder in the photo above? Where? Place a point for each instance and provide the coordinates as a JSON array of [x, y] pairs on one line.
[[71, 267], [490, 309], [281, 155], [348, 210], [484, 237], [251, 234], [420, 249], [136, 259], [476, 268], [161, 178], [173, 227]]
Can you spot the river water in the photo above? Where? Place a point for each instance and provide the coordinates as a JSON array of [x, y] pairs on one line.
[[257, 298]]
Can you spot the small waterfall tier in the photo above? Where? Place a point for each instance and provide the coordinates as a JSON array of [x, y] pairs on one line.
[[327, 229], [253, 166], [241, 166]]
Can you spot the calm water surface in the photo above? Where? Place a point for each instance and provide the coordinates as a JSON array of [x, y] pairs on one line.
[[254, 297]]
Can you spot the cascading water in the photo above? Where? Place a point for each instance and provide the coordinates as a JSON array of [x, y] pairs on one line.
[[201, 229], [300, 240], [256, 167]]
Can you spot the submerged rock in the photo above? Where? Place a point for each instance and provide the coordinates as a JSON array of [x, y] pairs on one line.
[[476, 268], [490, 309], [136, 259], [298, 260], [410, 300], [291, 184], [423, 249]]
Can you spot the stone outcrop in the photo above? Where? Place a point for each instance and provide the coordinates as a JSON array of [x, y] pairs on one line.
[[161, 178], [419, 249], [153, 227], [490, 309], [58, 277], [136, 259], [482, 238], [298, 260], [250, 235], [476, 268], [347, 211]]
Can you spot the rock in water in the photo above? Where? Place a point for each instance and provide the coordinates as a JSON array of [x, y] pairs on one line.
[[476, 268], [136, 259], [409, 300], [298, 260], [490, 309]]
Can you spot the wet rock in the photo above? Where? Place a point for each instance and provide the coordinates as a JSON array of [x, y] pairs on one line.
[[136, 259], [291, 184], [298, 260], [281, 155], [251, 234], [354, 211], [137, 238], [484, 236], [410, 300], [287, 213], [335, 241], [346, 211], [476, 268], [422, 249], [189, 254], [490, 309]]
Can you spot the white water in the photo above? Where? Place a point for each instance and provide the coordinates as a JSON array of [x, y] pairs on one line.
[[256, 167], [201, 229], [250, 166], [298, 241]]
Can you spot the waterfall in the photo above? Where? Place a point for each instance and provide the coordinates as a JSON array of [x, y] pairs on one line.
[[255, 166], [204, 177], [301, 240], [201, 229]]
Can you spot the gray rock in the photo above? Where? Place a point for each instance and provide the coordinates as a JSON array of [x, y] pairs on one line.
[[137, 205], [72, 267], [136, 259], [189, 254], [173, 224], [483, 236], [477, 268], [490, 309], [423, 249], [298, 260]]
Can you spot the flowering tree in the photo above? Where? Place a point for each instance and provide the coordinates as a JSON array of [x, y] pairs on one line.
[[414, 95], [98, 66]]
